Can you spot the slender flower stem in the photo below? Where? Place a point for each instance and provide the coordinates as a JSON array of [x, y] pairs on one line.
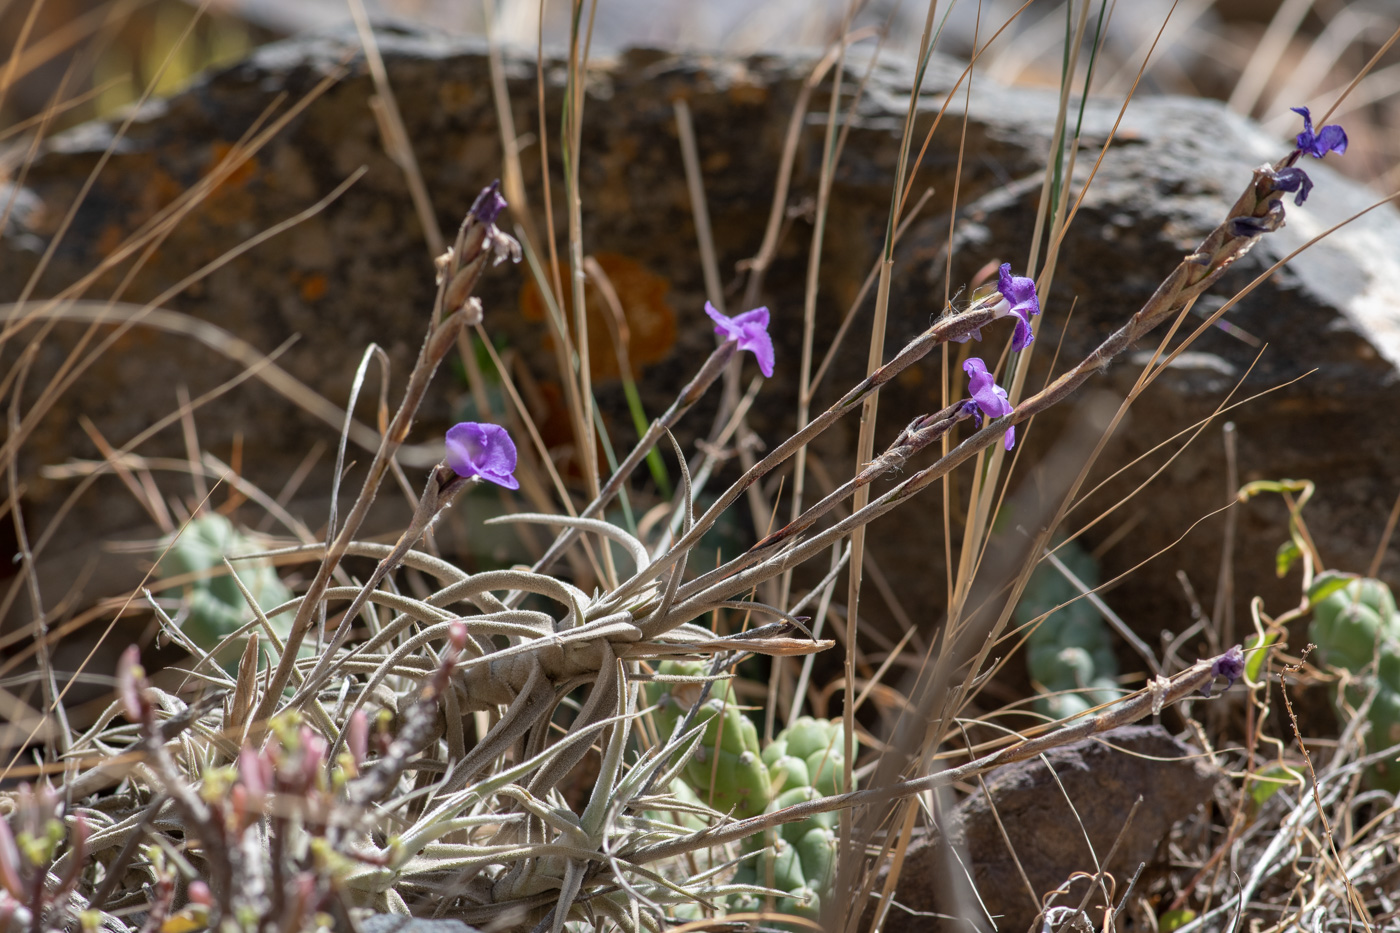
[[1197, 272], [478, 245], [693, 391], [919, 435], [950, 328]]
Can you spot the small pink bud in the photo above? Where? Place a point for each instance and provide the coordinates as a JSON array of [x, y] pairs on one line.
[[251, 769], [238, 798], [131, 681], [313, 757], [199, 894], [9, 863], [79, 838], [357, 736]]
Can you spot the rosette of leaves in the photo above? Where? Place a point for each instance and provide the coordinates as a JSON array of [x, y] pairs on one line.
[[211, 605], [1356, 627], [1070, 654]]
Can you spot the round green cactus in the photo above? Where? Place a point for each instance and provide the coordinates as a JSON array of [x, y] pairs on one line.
[[804, 762], [1351, 621], [1356, 626], [726, 770], [821, 747], [212, 606], [1070, 654]]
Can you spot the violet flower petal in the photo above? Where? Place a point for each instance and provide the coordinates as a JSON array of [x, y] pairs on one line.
[[482, 451], [1019, 293], [989, 397], [1331, 138], [489, 203], [750, 329], [1294, 179], [1229, 665]]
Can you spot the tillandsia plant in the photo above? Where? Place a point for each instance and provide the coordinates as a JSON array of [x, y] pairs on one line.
[[415, 760], [345, 792]]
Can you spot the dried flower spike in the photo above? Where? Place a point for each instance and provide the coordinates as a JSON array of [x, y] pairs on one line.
[[988, 398], [482, 451], [751, 330]]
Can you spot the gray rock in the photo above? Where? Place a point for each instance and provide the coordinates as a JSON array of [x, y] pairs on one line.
[[360, 272], [1102, 777]]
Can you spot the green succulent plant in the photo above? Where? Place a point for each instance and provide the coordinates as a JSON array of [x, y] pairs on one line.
[[1355, 626], [725, 771], [804, 762], [1070, 654], [212, 607]]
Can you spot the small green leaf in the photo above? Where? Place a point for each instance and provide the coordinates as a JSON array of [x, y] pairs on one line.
[[1256, 650], [1270, 781], [1279, 486], [1175, 919], [1288, 552]]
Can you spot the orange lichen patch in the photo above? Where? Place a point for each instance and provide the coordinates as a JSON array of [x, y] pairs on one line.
[[717, 162], [229, 202], [313, 287], [744, 93], [109, 240], [160, 189], [454, 96], [240, 174], [135, 340], [650, 322]]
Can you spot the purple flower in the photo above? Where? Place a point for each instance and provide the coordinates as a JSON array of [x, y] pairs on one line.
[[1331, 138], [482, 451], [489, 204], [1229, 665], [988, 398], [1294, 179], [1019, 293], [751, 330]]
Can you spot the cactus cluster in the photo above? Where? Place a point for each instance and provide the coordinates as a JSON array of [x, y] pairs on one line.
[[1070, 654], [212, 608], [1355, 626], [726, 771], [805, 761], [730, 773]]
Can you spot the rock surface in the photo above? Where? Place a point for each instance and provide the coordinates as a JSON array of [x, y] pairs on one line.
[[1101, 778], [360, 272]]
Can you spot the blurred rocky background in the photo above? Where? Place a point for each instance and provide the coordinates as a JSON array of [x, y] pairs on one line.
[[1321, 338]]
